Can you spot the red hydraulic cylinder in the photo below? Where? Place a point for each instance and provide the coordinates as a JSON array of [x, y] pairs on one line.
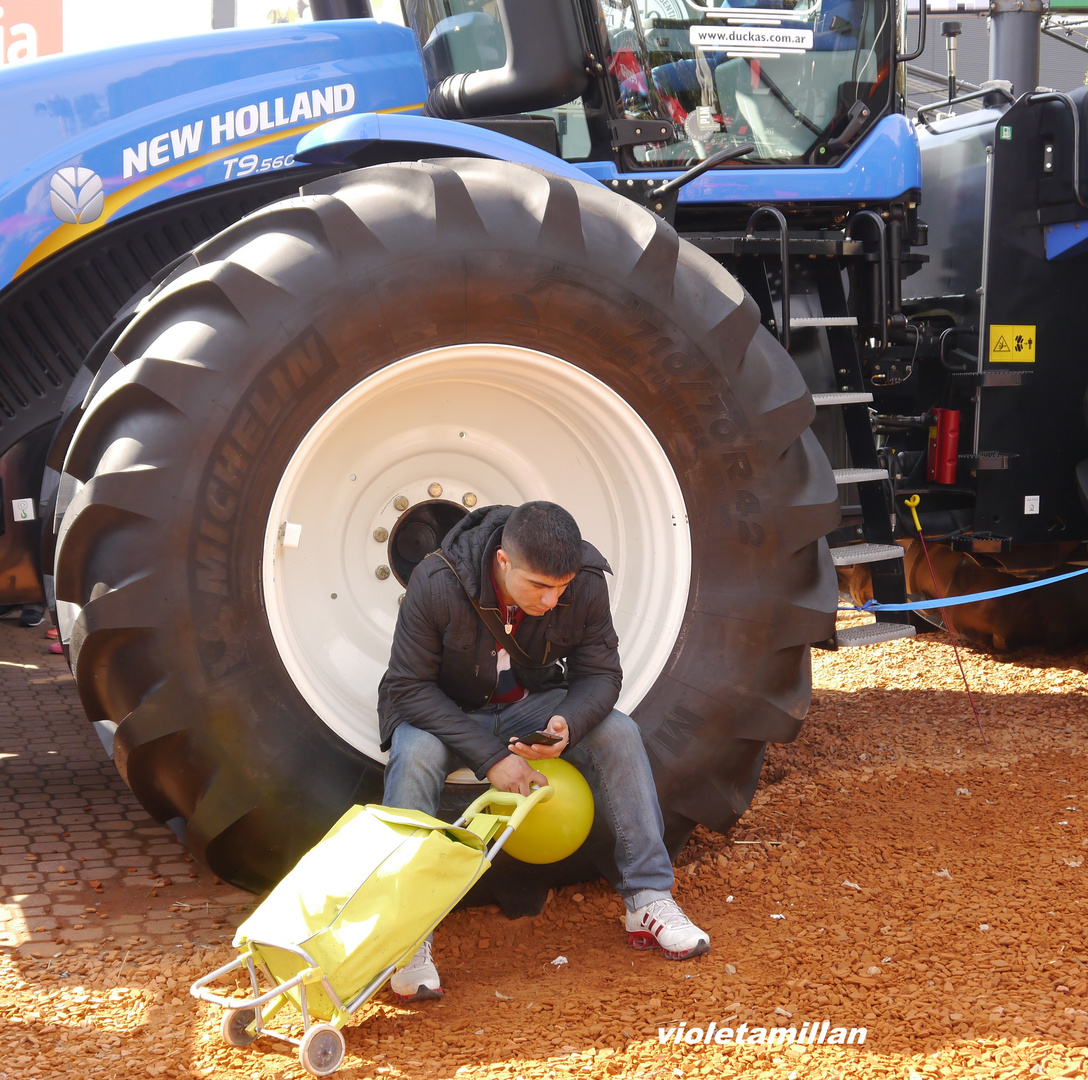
[[944, 443]]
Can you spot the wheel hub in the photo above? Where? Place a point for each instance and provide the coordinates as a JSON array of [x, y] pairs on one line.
[[392, 465], [418, 532]]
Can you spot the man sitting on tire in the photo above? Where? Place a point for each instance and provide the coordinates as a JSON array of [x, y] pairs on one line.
[[453, 695]]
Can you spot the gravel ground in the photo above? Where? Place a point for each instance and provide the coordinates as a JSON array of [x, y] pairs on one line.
[[895, 874]]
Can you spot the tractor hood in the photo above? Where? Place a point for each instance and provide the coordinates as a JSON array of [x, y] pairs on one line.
[[95, 136]]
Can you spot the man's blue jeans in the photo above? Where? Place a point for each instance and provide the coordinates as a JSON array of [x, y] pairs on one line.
[[612, 753]]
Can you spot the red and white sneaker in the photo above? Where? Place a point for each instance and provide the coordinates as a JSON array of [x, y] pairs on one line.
[[662, 925], [418, 981]]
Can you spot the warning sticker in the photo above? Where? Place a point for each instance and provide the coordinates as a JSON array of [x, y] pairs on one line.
[[23, 509], [1012, 344]]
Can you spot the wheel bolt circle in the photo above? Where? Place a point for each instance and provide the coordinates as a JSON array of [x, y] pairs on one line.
[[400, 502], [469, 498], [381, 534], [434, 490], [382, 573]]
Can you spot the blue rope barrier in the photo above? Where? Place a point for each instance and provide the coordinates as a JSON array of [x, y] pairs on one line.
[[970, 598]]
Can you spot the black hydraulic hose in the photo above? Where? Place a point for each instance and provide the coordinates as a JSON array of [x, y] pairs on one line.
[[973, 96], [941, 349], [784, 250], [872, 215], [894, 236]]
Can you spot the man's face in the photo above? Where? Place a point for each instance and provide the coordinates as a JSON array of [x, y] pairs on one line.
[[536, 594]]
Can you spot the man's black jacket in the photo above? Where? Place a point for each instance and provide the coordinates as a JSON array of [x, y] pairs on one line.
[[443, 659]]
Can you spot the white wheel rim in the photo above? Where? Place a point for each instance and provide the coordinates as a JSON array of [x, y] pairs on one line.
[[507, 425]]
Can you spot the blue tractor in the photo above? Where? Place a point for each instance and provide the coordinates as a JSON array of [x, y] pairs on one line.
[[280, 306]]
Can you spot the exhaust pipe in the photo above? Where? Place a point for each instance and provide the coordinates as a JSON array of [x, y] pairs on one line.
[[1015, 32]]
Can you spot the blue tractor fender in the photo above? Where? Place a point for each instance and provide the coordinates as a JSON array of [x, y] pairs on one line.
[[885, 166], [347, 140]]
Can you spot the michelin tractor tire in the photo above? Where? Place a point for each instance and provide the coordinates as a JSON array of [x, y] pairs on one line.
[[303, 408]]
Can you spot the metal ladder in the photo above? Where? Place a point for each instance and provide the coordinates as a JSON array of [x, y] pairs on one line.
[[877, 546]]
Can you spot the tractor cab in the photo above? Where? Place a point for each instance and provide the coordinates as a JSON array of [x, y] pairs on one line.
[[803, 81]]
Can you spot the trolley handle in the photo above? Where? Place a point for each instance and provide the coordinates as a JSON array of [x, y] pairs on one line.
[[520, 804]]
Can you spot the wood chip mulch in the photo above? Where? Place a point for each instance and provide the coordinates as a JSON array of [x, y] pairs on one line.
[[893, 874]]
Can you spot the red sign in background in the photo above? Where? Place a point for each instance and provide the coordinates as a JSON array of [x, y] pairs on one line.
[[30, 28]]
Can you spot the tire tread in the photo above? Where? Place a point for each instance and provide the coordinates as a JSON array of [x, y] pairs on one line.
[[176, 746]]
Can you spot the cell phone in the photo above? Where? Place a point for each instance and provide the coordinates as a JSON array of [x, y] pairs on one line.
[[539, 738]]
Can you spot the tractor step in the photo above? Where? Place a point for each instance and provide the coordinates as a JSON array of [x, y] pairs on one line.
[[874, 633], [803, 322], [855, 554], [842, 398], [859, 476]]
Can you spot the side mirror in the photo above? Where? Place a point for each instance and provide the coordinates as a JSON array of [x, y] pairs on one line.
[[545, 65], [464, 43]]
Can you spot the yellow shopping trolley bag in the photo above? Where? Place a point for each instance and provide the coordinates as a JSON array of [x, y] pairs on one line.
[[353, 910]]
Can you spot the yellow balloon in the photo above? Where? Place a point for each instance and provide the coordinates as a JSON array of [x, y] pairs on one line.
[[557, 828]]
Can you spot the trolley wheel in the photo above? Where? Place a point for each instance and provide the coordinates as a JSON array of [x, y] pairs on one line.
[[234, 1025], [322, 1049]]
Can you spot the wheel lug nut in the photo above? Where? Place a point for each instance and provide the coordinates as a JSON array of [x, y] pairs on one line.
[[382, 573], [434, 490], [400, 503], [381, 535], [469, 498]]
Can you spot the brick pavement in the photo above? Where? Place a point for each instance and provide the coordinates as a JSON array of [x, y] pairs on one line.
[[80, 860]]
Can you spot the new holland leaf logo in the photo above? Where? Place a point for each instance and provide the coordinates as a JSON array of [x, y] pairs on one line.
[[76, 195]]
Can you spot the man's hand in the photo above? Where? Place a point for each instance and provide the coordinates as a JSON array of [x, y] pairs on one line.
[[513, 774], [556, 726]]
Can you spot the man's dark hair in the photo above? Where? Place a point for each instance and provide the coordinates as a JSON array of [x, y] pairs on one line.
[[544, 538]]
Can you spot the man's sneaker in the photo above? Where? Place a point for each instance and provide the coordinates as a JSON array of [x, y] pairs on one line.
[[31, 616], [662, 925], [419, 980]]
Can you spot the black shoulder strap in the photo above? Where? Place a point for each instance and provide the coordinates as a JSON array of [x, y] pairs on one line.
[[494, 624]]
